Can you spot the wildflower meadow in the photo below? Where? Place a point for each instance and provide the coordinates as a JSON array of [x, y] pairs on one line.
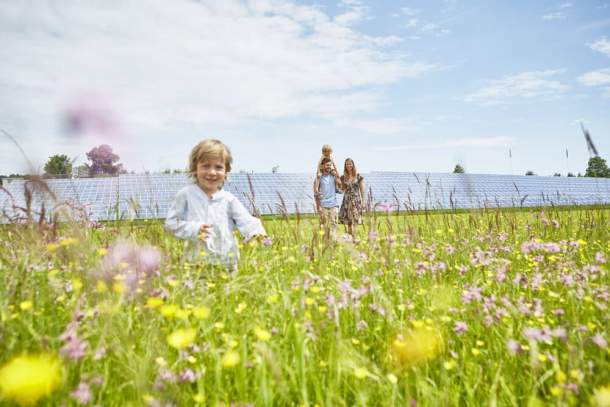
[[485, 307]]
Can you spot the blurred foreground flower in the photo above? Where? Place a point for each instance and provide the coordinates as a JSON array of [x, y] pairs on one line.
[[181, 338], [134, 264], [601, 397], [416, 346], [28, 378], [230, 359]]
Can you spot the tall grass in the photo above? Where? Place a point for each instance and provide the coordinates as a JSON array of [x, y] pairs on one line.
[[486, 307]]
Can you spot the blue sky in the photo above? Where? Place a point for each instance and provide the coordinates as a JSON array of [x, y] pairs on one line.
[[395, 85]]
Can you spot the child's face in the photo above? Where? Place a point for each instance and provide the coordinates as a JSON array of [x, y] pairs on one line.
[[327, 153], [211, 174]]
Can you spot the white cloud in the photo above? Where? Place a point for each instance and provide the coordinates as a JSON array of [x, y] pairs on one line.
[[412, 23], [191, 62], [383, 126], [407, 11], [523, 85], [599, 77], [602, 45], [482, 142], [554, 16], [566, 5]]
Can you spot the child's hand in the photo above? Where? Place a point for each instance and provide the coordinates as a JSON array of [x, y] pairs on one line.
[[203, 232]]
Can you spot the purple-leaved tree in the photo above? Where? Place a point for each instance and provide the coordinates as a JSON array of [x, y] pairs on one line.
[[103, 161]]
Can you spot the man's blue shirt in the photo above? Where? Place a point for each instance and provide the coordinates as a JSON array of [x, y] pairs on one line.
[[328, 191]]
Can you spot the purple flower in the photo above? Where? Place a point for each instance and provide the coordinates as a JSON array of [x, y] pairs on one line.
[[385, 206], [188, 376], [90, 115], [134, 262], [267, 241], [513, 346], [600, 258], [74, 348], [600, 341], [82, 394], [460, 327]]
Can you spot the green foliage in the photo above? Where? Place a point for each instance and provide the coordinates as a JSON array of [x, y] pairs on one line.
[[529, 172], [303, 324], [458, 169], [58, 166], [597, 168]]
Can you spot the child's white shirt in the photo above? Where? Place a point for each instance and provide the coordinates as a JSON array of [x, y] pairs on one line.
[[192, 208]]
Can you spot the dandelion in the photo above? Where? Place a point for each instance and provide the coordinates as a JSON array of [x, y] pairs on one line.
[[181, 338], [27, 379], [262, 334], [201, 312], [416, 346], [25, 305], [230, 359]]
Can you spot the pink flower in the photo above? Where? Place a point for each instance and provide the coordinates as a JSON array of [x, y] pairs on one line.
[[82, 394], [600, 341], [460, 327]]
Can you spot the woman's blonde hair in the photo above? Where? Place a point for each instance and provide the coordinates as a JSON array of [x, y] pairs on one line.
[[354, 171], [209, 148]]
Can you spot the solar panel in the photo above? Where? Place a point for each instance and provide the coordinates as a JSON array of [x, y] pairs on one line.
[[148, 196]]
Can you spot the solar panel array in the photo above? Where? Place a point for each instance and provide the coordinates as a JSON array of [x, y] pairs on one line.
[[148, 196]]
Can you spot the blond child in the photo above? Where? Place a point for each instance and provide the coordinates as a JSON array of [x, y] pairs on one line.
[[204, 214]]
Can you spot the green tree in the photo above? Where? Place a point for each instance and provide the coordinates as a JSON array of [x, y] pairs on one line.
[[529, 172], [58, 166], [597, 168], [458, 169]]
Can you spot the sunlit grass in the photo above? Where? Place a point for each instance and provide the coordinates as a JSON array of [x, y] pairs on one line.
[[476, 308]]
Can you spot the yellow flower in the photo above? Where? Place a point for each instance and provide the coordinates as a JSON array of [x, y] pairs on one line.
[[169, 310], [102, 252], [475, 352], [360, 372], [262, 334], [272, 299], [416, 346], [25, 305], [240, 307], [450, 364], [230, 359], [154, 302], [67, 242], [392, 378], [199, 398], [52, 247], [181, 338], [601, 397], [201, 312], [101, 287], [29, 378]]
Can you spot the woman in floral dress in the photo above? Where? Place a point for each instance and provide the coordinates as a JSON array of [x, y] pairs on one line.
[[352, 184]]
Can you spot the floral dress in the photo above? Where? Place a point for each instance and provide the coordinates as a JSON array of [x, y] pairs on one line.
[[351, 207]]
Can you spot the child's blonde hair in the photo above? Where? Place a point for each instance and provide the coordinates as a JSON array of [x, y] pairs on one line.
[[209, 148], [326, 147]]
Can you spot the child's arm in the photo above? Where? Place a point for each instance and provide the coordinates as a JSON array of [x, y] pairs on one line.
[[248, 225], [175, 223]]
